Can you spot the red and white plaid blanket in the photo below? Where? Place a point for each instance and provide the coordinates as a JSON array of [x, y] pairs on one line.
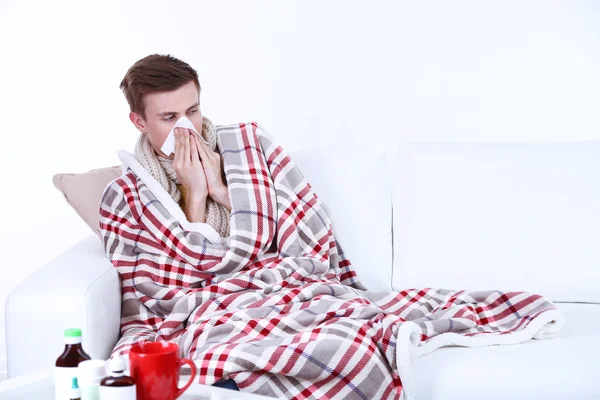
[[276, 306]]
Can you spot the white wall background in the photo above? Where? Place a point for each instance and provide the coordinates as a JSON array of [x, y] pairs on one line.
[[313, 73]]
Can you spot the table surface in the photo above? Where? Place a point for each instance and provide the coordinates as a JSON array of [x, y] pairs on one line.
[[40, 386]]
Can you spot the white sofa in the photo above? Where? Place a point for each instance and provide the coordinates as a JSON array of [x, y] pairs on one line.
[[460, 216]]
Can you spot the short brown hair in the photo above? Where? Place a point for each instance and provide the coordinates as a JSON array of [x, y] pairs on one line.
[[155, 73]]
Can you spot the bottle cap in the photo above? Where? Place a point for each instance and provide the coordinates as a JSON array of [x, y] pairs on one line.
[[117, 366], [72, 336], [75, 392], [72, 332], [91, 372]]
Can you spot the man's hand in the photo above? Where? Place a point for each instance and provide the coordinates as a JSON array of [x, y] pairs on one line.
[[187, 165], [189, 171], [211, 161]]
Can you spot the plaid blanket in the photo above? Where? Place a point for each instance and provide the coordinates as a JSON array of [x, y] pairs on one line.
[[276, 306]]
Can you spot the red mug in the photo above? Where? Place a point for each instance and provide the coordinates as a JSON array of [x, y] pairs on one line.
[[155, 368]]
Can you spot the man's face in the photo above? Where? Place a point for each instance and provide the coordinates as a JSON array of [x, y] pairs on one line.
[[164, 109]]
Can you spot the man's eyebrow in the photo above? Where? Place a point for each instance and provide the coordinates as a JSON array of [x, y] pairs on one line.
[[165, 113]]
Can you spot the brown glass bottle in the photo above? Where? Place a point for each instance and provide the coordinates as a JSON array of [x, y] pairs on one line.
[[114, 381], [73, 353], [72, 356], [66, 364], [117, 386]]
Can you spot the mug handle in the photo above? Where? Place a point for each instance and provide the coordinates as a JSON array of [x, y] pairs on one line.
[[180, 363]]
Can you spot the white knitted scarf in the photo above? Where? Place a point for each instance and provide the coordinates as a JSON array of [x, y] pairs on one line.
[[161, 169]]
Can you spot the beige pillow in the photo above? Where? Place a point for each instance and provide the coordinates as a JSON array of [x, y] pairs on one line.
[[83, 192]]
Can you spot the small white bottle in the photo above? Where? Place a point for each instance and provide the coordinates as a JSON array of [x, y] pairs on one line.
[[117, 386], [91, 373], [75, 391]]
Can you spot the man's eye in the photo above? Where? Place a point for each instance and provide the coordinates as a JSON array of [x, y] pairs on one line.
[[168, 119], [194, 111]]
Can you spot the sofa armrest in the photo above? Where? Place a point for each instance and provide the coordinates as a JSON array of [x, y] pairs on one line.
[[79, 289]]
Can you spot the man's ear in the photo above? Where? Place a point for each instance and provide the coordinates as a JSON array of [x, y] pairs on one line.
[[137, 120]]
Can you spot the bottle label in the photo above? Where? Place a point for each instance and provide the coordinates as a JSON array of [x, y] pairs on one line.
[[63, 378], [117, 392], [90, 392]]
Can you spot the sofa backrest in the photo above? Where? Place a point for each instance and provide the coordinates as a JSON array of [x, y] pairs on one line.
[[498, 216], [353, 184]]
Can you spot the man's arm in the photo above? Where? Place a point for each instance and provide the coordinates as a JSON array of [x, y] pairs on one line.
[[221, 196], [195, 208]]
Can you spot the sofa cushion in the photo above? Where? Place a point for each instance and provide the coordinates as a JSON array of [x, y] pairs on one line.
[[565, 367], [498, 216], [353, 184], [83, 192]]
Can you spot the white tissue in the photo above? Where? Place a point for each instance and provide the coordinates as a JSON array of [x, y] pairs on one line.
[[168, 146]]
